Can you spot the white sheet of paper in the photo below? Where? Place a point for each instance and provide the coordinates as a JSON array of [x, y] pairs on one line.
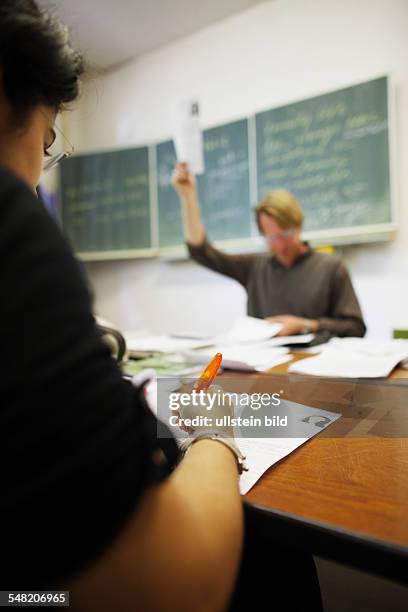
[[187, 135], [354, 358], [162, 344], [258, 363], [283, 340], [311, 350], [243, 357], [250, 329], [262, 453]]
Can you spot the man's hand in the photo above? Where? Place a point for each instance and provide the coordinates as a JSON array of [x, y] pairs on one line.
[[292, 325], [184, 182]]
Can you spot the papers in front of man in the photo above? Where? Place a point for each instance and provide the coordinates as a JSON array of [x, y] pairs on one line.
[[245, 358], [261, 453], [244, 330], [298, 340], [245, 347], [162, 343], [354, 358], [250, 329]]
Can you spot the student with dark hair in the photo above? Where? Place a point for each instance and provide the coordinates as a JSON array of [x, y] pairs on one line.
[[89, 502]]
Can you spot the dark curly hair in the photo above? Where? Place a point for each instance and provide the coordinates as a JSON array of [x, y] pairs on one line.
[[37, 63]]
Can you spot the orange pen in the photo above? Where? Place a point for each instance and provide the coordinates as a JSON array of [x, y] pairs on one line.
[[209, 373]]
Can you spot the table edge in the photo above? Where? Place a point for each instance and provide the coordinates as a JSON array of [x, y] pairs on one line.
[[362, 551]]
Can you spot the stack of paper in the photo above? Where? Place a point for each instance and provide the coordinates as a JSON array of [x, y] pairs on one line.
[[248, 346], [250, 329], [162, 344], [247, 358], [299, 340], [354, 358], [246, 329]]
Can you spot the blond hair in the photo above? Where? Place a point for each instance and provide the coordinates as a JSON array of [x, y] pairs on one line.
[[282, 206]]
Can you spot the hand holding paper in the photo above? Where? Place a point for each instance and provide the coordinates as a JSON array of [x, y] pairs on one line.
[[184, 181]]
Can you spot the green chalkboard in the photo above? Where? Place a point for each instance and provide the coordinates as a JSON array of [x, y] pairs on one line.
[[169, 217], [224, 187], [106, 201], [332, 152]]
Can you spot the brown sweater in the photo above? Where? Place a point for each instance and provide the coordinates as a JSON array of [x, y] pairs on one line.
[[317, 286]]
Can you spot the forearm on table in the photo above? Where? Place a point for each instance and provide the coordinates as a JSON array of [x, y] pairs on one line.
[[342, 327], [207, 479]]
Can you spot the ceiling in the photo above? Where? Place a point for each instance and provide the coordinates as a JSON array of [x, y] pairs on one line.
[[111, 32]]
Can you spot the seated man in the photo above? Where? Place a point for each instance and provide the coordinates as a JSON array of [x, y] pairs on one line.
[[303, 290]]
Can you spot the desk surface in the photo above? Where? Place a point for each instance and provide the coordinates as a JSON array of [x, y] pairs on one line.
[[353, 477]]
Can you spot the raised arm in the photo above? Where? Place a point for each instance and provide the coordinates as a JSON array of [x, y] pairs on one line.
[[185, 184], [201, 250]]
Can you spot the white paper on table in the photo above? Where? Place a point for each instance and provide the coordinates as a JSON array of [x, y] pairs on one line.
[[243, 357], [162, 344], [187, 135], [311, 350], [354, 358], [262, 453], [283, 340], [258, 363], [250, 329]]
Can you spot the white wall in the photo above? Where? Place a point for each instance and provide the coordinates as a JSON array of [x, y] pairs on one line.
[[273, 54]]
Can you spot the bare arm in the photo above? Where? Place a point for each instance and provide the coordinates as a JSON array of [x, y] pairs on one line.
[[180, 550], [185, 184]]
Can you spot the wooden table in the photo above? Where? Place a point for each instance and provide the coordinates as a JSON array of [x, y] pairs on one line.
[[343, 494]]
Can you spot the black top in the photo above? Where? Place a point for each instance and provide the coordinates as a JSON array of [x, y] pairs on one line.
[[77, 443]]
